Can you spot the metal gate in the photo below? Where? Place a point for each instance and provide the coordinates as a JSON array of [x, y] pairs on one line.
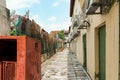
[[7, 70]]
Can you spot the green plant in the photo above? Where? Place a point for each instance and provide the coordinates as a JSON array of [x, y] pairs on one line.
[[61, 35], [108, 5], [13, 32]]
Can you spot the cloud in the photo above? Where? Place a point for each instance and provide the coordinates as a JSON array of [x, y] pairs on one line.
[[35, 17], [59, 26], [20, 4], [53, 26], [65, 1], [52, 18], [55, 4]]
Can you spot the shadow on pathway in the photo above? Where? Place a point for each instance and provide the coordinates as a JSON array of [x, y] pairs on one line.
[[63, 66], [75, 69]]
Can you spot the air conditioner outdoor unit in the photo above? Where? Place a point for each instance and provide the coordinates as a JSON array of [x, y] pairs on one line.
[[76, 21], [94, 7]]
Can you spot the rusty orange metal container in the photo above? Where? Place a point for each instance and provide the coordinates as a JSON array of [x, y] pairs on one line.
[[20, 58]]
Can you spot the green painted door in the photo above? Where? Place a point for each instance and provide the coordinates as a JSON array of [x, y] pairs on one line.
[[102, 53], [85, 52], [119, 65], [119, 53], [119, 40]]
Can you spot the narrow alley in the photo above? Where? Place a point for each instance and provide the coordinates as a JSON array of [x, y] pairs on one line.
[[59, 39], [63, 66]]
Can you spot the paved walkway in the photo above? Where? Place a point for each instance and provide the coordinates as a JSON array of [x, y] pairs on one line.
[[63, 66]]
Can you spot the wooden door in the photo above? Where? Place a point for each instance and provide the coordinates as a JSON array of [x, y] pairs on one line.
[[8, 70], [84, 52], [102, 53]]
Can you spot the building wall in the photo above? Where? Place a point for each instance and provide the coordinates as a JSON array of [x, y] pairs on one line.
[[3, 3], [79, 51], [33, 60], [111, 20], [77, 9], [76, 45], [28, 55], [112, 44], [4, 21]]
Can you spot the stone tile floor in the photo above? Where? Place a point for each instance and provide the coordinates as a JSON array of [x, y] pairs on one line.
[[63, 66]]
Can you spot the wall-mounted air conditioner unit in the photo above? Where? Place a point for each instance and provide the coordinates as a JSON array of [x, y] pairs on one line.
[[85, 5], [95, 7], [76, 21]]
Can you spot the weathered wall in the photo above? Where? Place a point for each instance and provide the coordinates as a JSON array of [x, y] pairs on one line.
[[21, 57], [33, 68], [28, 65], [21, 50], [3, 3], [4, 21], [112, 44], [79, 51], [77, 9], [111, 20]]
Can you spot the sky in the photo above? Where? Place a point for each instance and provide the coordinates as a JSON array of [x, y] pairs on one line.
[[50, 14]]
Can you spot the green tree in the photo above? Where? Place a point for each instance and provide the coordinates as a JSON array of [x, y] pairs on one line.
[[61, 35]]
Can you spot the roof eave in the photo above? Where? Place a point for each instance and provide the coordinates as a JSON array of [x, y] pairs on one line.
[[72, 2]]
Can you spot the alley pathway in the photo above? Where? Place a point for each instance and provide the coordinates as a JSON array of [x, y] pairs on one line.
[[63, 66]]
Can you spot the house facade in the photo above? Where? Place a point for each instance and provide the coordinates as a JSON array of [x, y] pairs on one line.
[[94, 37], [4, 18], [3, 3]]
